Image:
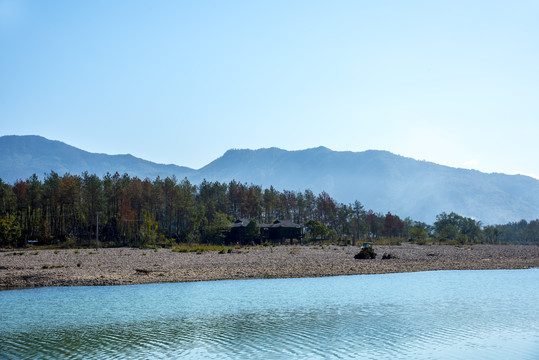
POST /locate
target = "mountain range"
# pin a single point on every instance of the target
(380, 180)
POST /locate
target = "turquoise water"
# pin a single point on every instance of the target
(428, 315)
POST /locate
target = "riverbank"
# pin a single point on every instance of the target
(121, 266)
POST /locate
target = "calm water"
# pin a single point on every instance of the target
(429, 315)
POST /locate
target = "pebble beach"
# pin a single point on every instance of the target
(122, 266)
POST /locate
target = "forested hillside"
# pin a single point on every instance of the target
(382, 181)
(67, 209)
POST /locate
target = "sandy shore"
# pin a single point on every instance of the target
(119, 266)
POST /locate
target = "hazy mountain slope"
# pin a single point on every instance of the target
(384, 182)
(380, 180)
(22, 156)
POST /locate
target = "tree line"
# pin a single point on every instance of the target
(127, 211)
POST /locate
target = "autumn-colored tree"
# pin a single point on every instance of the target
(64, 207)
(326, 208)
(253, 202)
(389, 223)
(375, 223)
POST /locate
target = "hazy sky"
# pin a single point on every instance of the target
(453, 82)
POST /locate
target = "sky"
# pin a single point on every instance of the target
(452, 82)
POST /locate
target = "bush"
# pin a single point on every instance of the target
(365, 253)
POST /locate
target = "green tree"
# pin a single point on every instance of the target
(455, 227)
(316, 229)
(70, 195)
(7, 198)
(22, 205)
(148, 233)
(93, 199)
(169, 197)
(34, 191)
(418, 233)
(470, 229)
(252, 232)
(310, 204)
(217, 230)
(491, 233)
(269, 201)
(446, 226)
(359, 224)
(10, 231)
(529, 234)
(343, 219)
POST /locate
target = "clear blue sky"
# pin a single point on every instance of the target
(453, 82)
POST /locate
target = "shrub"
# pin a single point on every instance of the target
(365, 253)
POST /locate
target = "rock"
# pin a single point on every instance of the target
(143, 271)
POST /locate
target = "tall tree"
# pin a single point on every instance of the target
(270, 202)
(344, 216)
(359, 224)
(93, 197)
(327, 209)
(389, 224)
(70, 196)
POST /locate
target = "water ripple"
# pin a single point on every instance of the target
(421, 316)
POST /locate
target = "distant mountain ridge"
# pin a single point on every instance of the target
(380, 180)
(22, 156)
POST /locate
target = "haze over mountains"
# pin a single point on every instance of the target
(380, 180)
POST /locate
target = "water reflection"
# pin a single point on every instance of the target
(423, 315)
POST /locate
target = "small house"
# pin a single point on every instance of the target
(280, 230)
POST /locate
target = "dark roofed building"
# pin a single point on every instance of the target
(279, 230)
(240, 232)
(241, 223)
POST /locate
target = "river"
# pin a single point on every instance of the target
(491, 314)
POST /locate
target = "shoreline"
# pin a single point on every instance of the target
(31, 268)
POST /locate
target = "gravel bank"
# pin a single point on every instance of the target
(120, 266)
